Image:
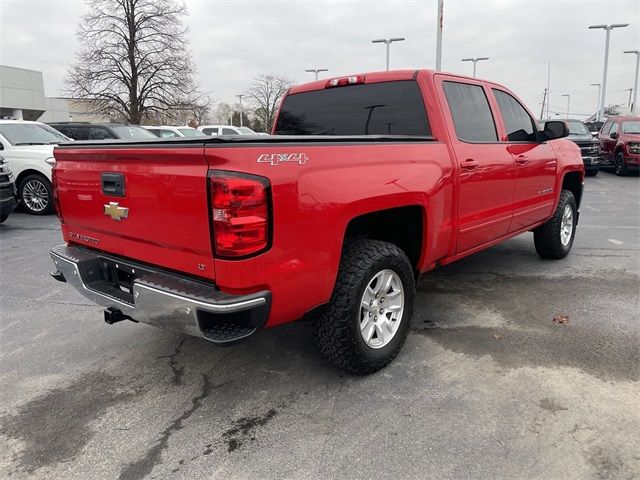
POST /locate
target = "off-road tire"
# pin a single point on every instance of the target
(618, 165)
(337, 331)
(547, 236)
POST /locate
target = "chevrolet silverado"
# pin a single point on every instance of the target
(367, 182)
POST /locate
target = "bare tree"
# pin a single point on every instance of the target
(222, 113)
(265, 94)
(134, 60)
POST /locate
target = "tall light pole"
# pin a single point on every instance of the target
(439, 35)
(634, 108)
(568, 101)
(475, 60)
(597, 101)
(630, 90)
(240, 99)
(607, 29)
(317, 70)
(387, 42)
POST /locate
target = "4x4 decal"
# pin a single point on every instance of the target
(276, 158)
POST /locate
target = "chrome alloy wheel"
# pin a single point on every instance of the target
(381, 309)
(566, 226)
(35, 195)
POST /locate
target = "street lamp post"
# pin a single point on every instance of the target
(607, 29)
(439, 35)
(635, 82)
(630, 90)
(240, 99)
(568, 102)
(597, 101)
(475, 60)
(387, 42)
(317, 70)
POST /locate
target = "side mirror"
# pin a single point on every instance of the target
(556, 129)
(614, 135)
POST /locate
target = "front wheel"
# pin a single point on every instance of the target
(619, 166)
(36, 195)
(555, 238)
(368, 317)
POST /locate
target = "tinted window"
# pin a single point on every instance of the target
(210, 131)
(389, 108)
(77, 133)
(229, 131)
(519, 125)
(470, 111)
(614, 128)
(99, 133)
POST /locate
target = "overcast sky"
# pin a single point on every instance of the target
(234, 40)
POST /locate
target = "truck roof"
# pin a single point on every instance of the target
(383, 76)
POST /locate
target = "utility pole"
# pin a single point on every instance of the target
(544, 98)
(475, 60)
(316, 71)
(568, 102)
(240, 99)
(630, 90)
(597, 101)
(439, 35)
(634, 107)
(548, 88)
(388, 42)
(607, 29)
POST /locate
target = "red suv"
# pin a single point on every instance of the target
(620, 144)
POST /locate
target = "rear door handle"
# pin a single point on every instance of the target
(470, 164)
(522, 159)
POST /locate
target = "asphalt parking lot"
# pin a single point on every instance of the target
(487, 386)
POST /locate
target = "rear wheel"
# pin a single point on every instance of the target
(368, 317)
(4, 217)
(619, 166)
(36, 194)
(555, 238)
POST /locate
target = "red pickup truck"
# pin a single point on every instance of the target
(367, 182)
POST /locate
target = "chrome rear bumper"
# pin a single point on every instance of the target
(160, 298)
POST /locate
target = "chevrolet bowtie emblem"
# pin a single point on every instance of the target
(116, 212)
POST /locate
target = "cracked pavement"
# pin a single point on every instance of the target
(487, 386)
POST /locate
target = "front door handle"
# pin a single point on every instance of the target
(522, 159)
(470, 164)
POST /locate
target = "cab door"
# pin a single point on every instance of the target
(535, 163)
(485, 166)
(607, 143)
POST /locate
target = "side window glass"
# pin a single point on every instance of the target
(520, 126)
(229, 131)
(210, 131)
(614, 128)
(98, 133)
(79, 133)
(471, 112)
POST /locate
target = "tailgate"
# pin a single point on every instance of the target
(145, 203)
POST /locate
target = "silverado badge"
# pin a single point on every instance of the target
(115, 211)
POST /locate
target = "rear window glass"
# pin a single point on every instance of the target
(389, 108)
(131, 132)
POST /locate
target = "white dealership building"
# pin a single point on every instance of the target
(22, 97)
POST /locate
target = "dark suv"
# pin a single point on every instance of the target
(589, 146)
(101, 131)
(620, 143)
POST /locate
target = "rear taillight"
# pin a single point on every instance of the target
(240, 213)
(54, 187)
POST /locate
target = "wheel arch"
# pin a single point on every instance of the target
(29, 171)
(404, 226)
(572, 181)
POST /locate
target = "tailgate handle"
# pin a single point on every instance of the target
(113, 184)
